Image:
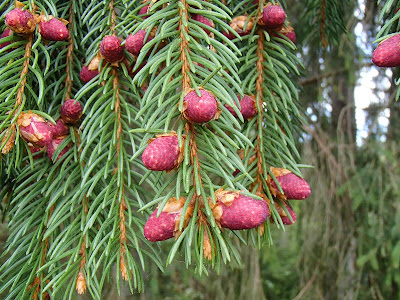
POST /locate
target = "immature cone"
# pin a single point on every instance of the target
(163, 153)
(134, 43)
(388, 52)
(53, 29)
(34, 151)
(284, 217)
(59, 129)
(236, 211)
(293, 186)
(86, 75)
(144, 10)
(6, 33)
(52, 147)
(34, 129)
(166, 225)
(287, 31)
(71, 111)
(20, 21)
(111, 49)
(200, 109)
(203, 20)
(238, 24)
(248, 107)
(273, 16)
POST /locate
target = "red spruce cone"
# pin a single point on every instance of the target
(86, 75)
(20, 21)
(34, 129)
(273, 16)
(34, 151)
(134, 43)
(293, 186)
(53, 29)
(200, 109)
(71, 111)
(6, 33)
(163, 153)
(287, 31)
(111, 49)
(284, 217)
(388, 52)
(248, 107)
(166, 225)
(236, 211)
(52, 147)
(144, 11)
(59, 129)
(238, 25)
(203, 20)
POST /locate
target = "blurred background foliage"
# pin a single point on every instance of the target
(346, 241)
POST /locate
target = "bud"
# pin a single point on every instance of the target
(20, 21)
(71, 111)
(34, 129)
(53, 29)
(200, 109)
(236, 211)
(86, 75)
(166, 225)
(292, 185)
(59, 129)
(248, 107)
(273, 16)
(111, 49)
(52, 147)
(134, 43)
(163, 153)
(387, 54)
(81, 283)
(6, 33)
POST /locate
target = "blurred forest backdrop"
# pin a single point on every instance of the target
(346, 241)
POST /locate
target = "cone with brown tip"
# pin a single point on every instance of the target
(34, 129)
(236, 211)
(20, 21)
(166, 226)
(293, 186)
(163, 153)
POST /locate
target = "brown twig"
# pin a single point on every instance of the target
(259, 99)
(70, 58)
(81, 281)
(27, 56)
(122, 205)
(184, 46)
